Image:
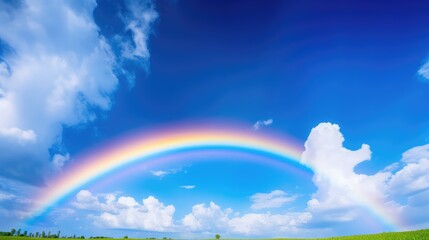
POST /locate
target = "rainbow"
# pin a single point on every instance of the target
(145, 148)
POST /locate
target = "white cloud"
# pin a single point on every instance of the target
(18, 134)
(127, 213)
(59, 160)
(139, 22)
(424, 71)
(109, 211)
(6, 196)
(188, 186)
(159, 173)
(163, 173)
(262, 123)
(415, 154)
(207, 219)
(274, 199)
(213, 219)
(56, 75)
(343, 195)
(254, 224)
(412, 178)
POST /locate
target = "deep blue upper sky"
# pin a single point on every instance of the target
(353, 63)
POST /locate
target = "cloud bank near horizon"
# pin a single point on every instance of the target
(342, 197)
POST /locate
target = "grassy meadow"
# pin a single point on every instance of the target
(413, 235)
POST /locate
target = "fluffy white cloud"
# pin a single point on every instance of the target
(255, 224)
(343, 195)
(212, 219)
(274, 199)
(127, 213)
(207, 219)
(339, 187)
(412, 178)
(261, 123)
(57, 70)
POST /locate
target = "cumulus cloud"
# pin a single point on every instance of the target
(255, 224)
(124, 212)
(127, 213)
(212, 219)
(56, 75)
(274, 199)
(188, 186)
(207, 219)
(262, 123)
(343, 195)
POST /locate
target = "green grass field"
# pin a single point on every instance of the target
(414, 235)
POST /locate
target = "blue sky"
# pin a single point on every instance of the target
(77, 74)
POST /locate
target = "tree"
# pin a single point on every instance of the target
(217, 236)
(25, 233)
(43, 234)
(12, 231)
(125, 236)
(18, 232)
(37, 234)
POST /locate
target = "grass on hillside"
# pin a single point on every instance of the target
(411, 235)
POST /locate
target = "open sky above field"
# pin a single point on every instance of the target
(185, 118)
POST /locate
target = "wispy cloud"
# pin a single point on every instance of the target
(262, 123)
(424, 71)
(188, 186)
(163, 173)
(274, 199)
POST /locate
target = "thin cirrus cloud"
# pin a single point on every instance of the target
(262, 123)
(188, 187)
(56, 75)
(274, 199)
(424, 71)
(163, 173)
